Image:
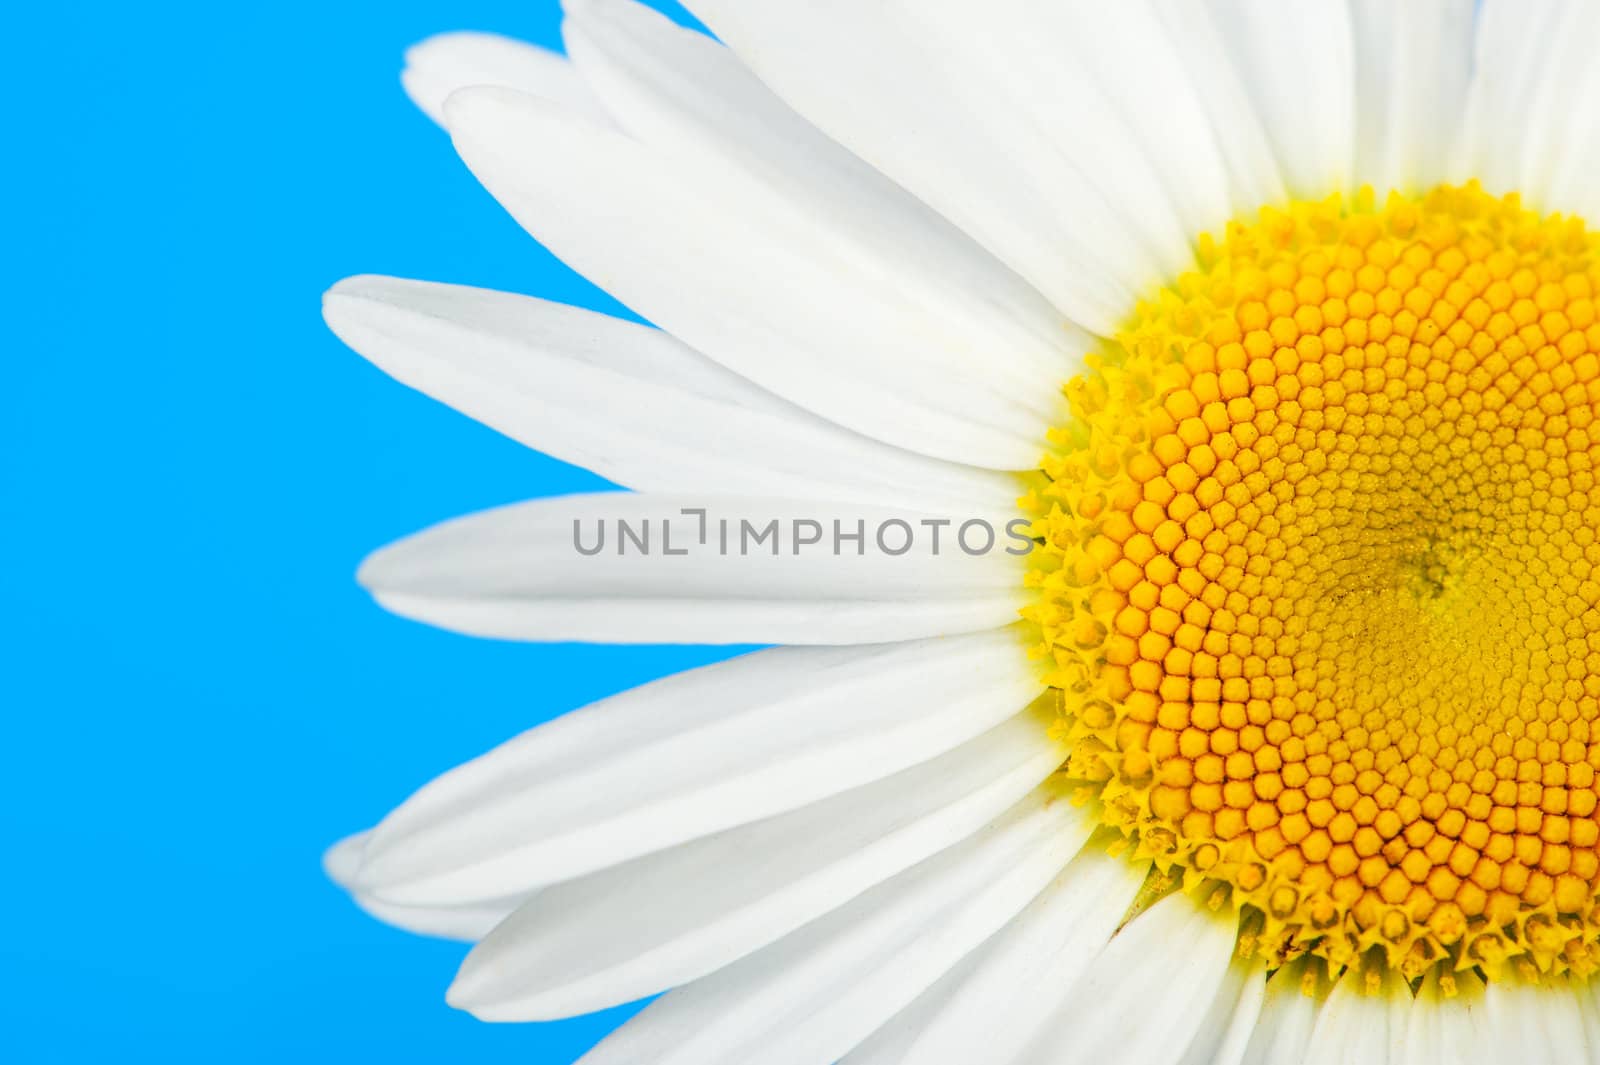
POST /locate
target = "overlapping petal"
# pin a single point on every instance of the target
(689, 756)
(468, 922)
(1412, 63)
(994, 1005)
(1171, 962)
(646, 926)
(440, 65)
(802, 309)
(1361, 1022)
(1529, 125)
(922, 106)
(629, 402)
(812, 996)
(1287, 1017)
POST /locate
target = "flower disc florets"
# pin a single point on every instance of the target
(1321, 580)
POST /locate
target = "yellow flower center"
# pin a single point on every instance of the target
(1320, 585)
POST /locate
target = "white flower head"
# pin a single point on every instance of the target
(1164, 435)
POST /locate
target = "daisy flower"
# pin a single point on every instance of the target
(1262, 724)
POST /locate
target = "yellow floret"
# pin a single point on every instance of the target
(1321, 580)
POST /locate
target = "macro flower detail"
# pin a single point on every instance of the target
(1162, 437)
(1322, 601)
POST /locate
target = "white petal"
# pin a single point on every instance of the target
(688, 756)
(652, 924)
(995, 1004)
(468, 923)
(1357, 1025)
(628, 402)
(920, 105)
(1572, 142)
(710, 574)
(812, 996)
(1589, 1004)
(1170, 962)
(1535, 1022)
(1532, 119)
(757, 281)
(1413, 60)
(1153, 154)
(440, 65)
(1297, 62)
(1287, 1019)
(1224, 1035)
(892, 1043)
(1229, 112)
(685, 94)
(1164, 108)
(1447, 1030)
(1512, 65)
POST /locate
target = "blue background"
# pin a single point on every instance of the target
(196, 697)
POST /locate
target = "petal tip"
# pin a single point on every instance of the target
(467, 990)
(357, 286)
(434, 65)
(342, 861)
(472, 108)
